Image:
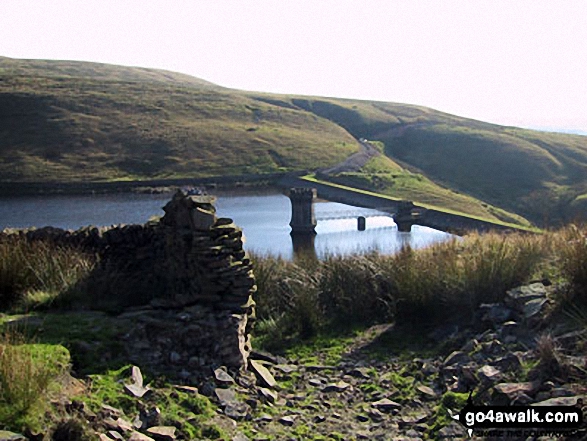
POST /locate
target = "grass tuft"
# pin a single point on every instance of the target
(574, 261)
(34, 273)
(26, 373)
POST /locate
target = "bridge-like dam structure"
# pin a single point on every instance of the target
(405, 214)
(304, 220)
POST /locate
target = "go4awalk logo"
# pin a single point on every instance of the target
(548, 419)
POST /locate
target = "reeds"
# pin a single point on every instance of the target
(573, 256)
(445, 281)
(38, 271)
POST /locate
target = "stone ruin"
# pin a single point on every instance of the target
(183, 283)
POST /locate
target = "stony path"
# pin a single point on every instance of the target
(356, 161)
(365, 396)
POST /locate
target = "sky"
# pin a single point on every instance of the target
(511, 62)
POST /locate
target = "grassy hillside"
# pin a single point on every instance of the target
(97, 71)
(87, 123)
(540, 175)
(75, 121)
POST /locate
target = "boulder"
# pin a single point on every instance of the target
(505, 393)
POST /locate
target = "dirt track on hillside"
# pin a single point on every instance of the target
(356, 161)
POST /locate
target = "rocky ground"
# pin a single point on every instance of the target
(382, 383)
(366, 396)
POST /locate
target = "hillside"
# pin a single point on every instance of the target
(87, 122)
(78, 121)
(539, 175)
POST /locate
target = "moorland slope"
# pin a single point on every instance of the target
(65, 121)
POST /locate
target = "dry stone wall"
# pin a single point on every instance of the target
(185, 281)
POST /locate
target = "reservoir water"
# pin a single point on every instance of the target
(264, 218)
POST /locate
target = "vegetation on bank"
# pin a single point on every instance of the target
(306, 300)
(444, 282)
(384, 176)
(85, 122)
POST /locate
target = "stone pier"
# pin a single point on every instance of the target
(303, 220)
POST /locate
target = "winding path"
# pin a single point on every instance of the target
(356, 161)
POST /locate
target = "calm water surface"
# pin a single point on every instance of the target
(264, 218)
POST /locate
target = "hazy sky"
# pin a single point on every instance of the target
(515, 62)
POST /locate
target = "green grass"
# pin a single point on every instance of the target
(450, 400)
(30, 377)
(514, 169)
(422, 191)
(29, 374)
(190, 411)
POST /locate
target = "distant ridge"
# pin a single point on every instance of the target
(71, 121)
(97, 71)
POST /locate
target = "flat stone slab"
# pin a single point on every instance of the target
(222, 376)
(512, 389)
(187, 389)
(287, 420)
(265, 418)
(137, 436)
(560, 401)
(386, 404)
(360, 372)
(489, 374)
(518, 297)
(427, 391)
(225, 396)
(336, 387)
(165, 433)
(113, 434)
(456, 357)
(533, 307)
(136, 388)
(269, 394)
(263, 373)
(412, 419)
(236, 411)
(136, 391)
(286, 368)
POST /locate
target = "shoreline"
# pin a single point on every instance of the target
(154, 186)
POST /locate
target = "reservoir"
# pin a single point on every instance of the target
(263, 216)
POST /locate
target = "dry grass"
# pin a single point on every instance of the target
(573, 255)
(37, 272)
(446, 281)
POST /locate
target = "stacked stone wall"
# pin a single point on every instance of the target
(185, 281)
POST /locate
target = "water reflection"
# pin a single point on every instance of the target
(304, 246)
(264, 219)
